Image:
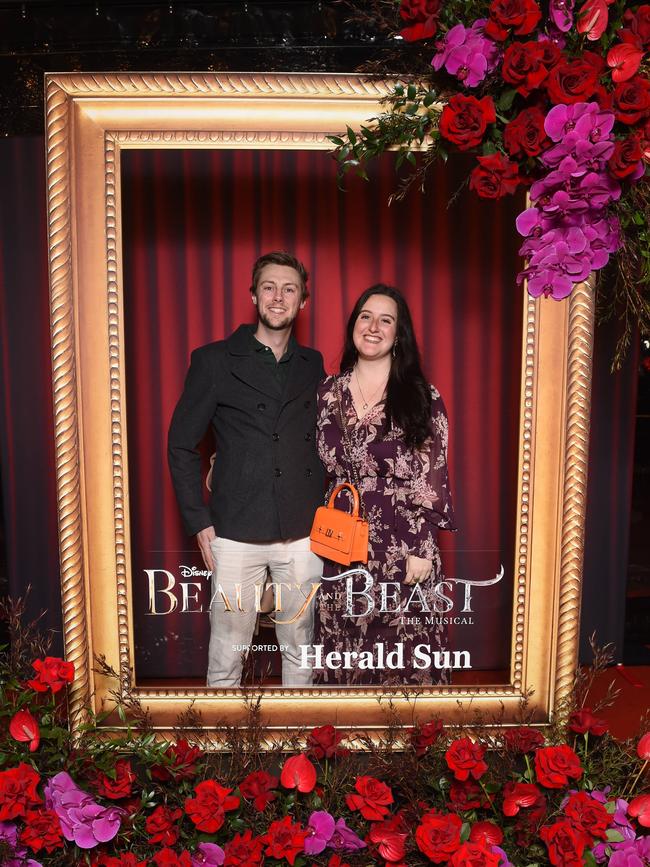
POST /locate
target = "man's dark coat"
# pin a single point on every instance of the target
(267, 480)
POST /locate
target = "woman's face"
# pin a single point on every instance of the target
(376, 327)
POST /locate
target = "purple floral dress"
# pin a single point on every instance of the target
(407, 500)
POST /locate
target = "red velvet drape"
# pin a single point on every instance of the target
(194, 222)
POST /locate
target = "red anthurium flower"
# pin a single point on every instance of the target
(465, 757)
(640, 809)
(371, 799)
(23, 727)
(592, 19)
(390, 838)
(517, 795)
(583, 721)
(624, 60)
(298, 773)
(486, 834)
(643, 747)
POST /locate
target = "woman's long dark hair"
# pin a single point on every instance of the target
(408, 397)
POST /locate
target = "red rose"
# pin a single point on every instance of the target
(486, 834)
(639, 809)
(18, 791)
(465, 757)
(207, 810)
(624, 162)
(638, 25)
(422, 18)
(551, 54)
(23, 727)
(631, 100)
(169, 858)
(337, 861)
(466, 795)
(583, 720)
(474, 855)
(126, 859)
(119, 786)
(422, 737)
(520, 16)
(522, 739)
(574, 79)
(371, 799)
(438, 836)
(52, 673)
(523, 66)
(42, 831)
(554, 766)
(390, 838)
(298, 773)
(244, 850)
(284, 839)
(588, 816)
(564, 844)
(525, 135)
(517, 795)
(258, 787)
(465, 118)
(494, 177)
(182, 762)
(160, 825)
(323, 743)
(643, 747)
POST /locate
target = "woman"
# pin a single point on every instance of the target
(396, 447)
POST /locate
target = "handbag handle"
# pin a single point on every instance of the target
(355, 497)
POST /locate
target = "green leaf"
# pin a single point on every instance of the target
(429, 98)
(610, 806)
(488, 148)
(464, 832)
(506, 99)
(614, 836)
(589, 860)
(410, 156)
(352, 136)
(411, 93)
(336, 140)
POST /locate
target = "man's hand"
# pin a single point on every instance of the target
(203, 538)
(417, 569)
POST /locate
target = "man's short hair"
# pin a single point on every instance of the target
(279, 257)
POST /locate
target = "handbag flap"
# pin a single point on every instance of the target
(333, 529)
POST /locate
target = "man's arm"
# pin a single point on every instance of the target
(189, 423)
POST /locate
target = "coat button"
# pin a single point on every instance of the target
(307, 404)
(277, 472)
(261, 407)
(307, 437)
(275, 437)
(308, 473)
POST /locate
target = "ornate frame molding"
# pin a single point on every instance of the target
(90, 119)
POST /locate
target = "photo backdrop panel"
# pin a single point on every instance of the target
(194, 221)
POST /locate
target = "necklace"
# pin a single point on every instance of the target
(366, 403)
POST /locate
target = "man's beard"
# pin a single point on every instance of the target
(278, 324)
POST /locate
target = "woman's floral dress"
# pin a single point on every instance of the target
(407, 500)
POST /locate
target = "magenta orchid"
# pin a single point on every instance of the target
(82, 819)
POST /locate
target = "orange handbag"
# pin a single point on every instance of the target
(338, 535)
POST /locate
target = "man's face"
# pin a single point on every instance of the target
(278, 296)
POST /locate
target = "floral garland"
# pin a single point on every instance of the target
(554, 99)
(574, 797)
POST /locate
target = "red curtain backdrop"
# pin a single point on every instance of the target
(194, 222)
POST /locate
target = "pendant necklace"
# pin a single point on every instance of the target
(364, 402)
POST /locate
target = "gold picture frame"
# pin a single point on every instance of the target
(90, 119)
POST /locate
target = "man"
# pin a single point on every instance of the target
(257, 391)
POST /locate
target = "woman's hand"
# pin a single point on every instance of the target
(417, 569)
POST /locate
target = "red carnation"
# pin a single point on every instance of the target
(389, 837)
(126, 859)
(465, 757)
(23, 727)
(18, 791)
(423, 737)
(118, 786)
(466, 795)
(639, 809)
(565, 845)
(465, 118)
(207, 810)
(169, 858)
(422, 18)
(517, 795)
(523, 66)
(588, 816)
(631, 100)
(438, 836)
(52, 673)
(525, 135)
(161, 827)
(42, 831)
(494, 177)
(522, 739)
(298, 773)
(182, 762)
(574, 79)
(582, 721)
(258, 787)
(244, 850)
(474, 855)
(486, 834)
(519, 16)
(284, 839)
(337, 861)
(371, 799)
(323, 743)
(554, 766)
